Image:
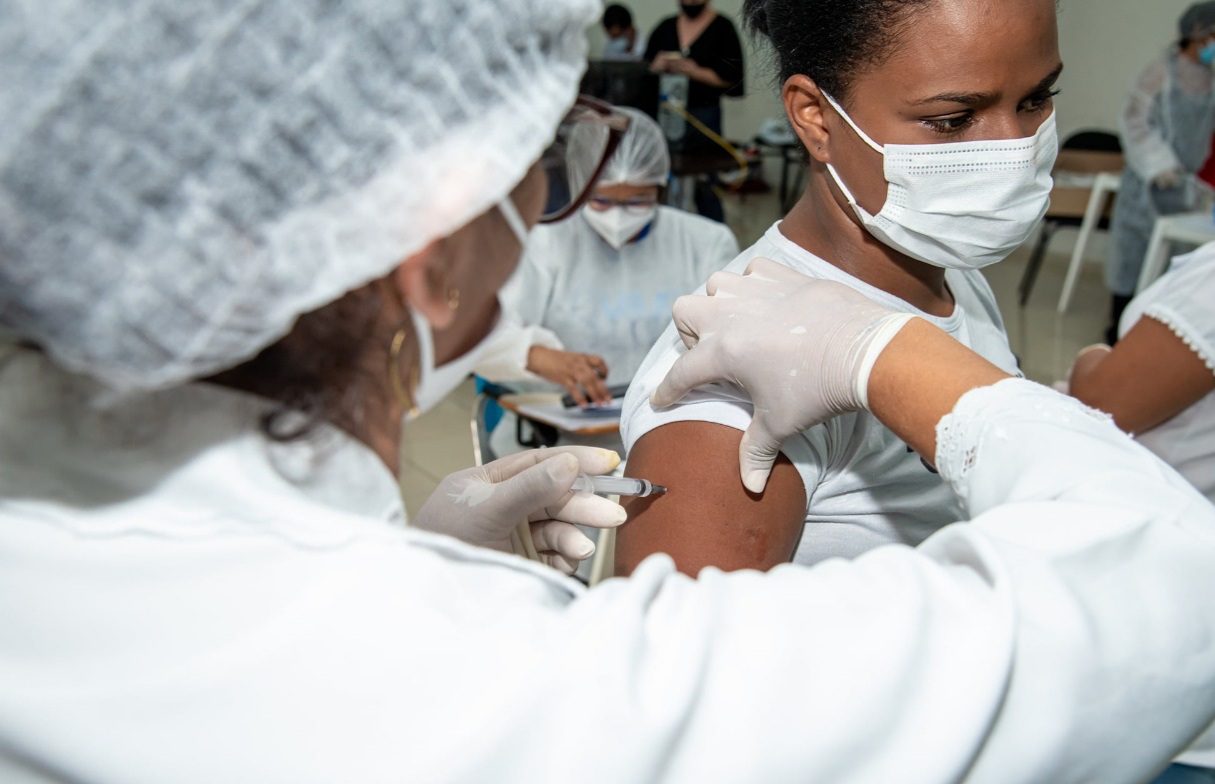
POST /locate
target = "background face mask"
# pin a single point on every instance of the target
(961, 205)
(618, 225)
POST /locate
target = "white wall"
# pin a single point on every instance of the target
(1105, 44)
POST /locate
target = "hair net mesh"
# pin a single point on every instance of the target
(641, 158)
(179, 181)
(1198, 19)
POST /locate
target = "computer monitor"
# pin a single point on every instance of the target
(623, 83)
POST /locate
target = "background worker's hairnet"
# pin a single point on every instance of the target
(180, 181)
(1198, 19)
(640, 159)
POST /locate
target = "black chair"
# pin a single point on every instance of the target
(1090, 141)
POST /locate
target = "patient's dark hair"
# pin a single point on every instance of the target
(831, 41)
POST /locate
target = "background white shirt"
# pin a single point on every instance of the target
(595, 299)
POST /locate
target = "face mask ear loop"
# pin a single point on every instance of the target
(840, 183)
(864, 136)
(514, 220)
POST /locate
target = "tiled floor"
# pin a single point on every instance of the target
(441, 441)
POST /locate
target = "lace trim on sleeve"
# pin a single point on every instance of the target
(1183, 330)
(984, 413)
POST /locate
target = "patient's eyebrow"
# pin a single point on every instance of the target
(983, 98)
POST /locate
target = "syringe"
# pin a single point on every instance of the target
(616, 485)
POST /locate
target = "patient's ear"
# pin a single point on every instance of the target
(805, 107)
(422, 281)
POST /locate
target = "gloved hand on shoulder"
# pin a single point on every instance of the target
(802, 349)
(483, 505)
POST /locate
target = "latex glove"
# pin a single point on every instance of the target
(1166, 180)
(576, 372)
(484, 505)
(801, 348)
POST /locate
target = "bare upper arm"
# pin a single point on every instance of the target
(707, 517)
(1150, 377)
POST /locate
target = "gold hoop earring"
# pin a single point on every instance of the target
(404, 396)
(453, 299)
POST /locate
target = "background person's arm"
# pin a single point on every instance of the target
(707, 517)
(1147, 379)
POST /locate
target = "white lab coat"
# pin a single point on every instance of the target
(183, 601)
(574, 291)
(1166, 124)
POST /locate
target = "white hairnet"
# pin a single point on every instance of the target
(180, 180)
(640, 159)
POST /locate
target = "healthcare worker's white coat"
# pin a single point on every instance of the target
(184, 602)
(1184, 301)
(595, 299)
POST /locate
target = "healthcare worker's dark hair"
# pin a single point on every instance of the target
(829, 40)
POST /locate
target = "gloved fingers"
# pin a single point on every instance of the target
(590, 461)
(586, 509)
(766, 269)
(562, 538)
(559, 562)
(687, 329)
(720, 283)
(696, 368)
(756, 453)
(696, 317)
(516, 497)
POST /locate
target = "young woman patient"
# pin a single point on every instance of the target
(929, 126)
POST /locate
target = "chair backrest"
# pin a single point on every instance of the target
(1097, 141)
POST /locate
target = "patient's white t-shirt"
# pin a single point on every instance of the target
(864, 486)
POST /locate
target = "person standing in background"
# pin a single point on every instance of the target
(702, 45)
(623, 40)
(1166, 130)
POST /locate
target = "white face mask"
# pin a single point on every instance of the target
(434, 383)
(960, 205)
(616, 47)
(618, 225)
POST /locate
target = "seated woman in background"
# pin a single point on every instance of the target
(964, 175)
(1158, 381)
(593, 293)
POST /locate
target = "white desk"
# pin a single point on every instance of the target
(1105, 185)
(1197, 228)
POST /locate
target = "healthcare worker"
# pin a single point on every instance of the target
(594, 292)
(1166, 136)
(1158, 381)
(909, 193)
(204, 583)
